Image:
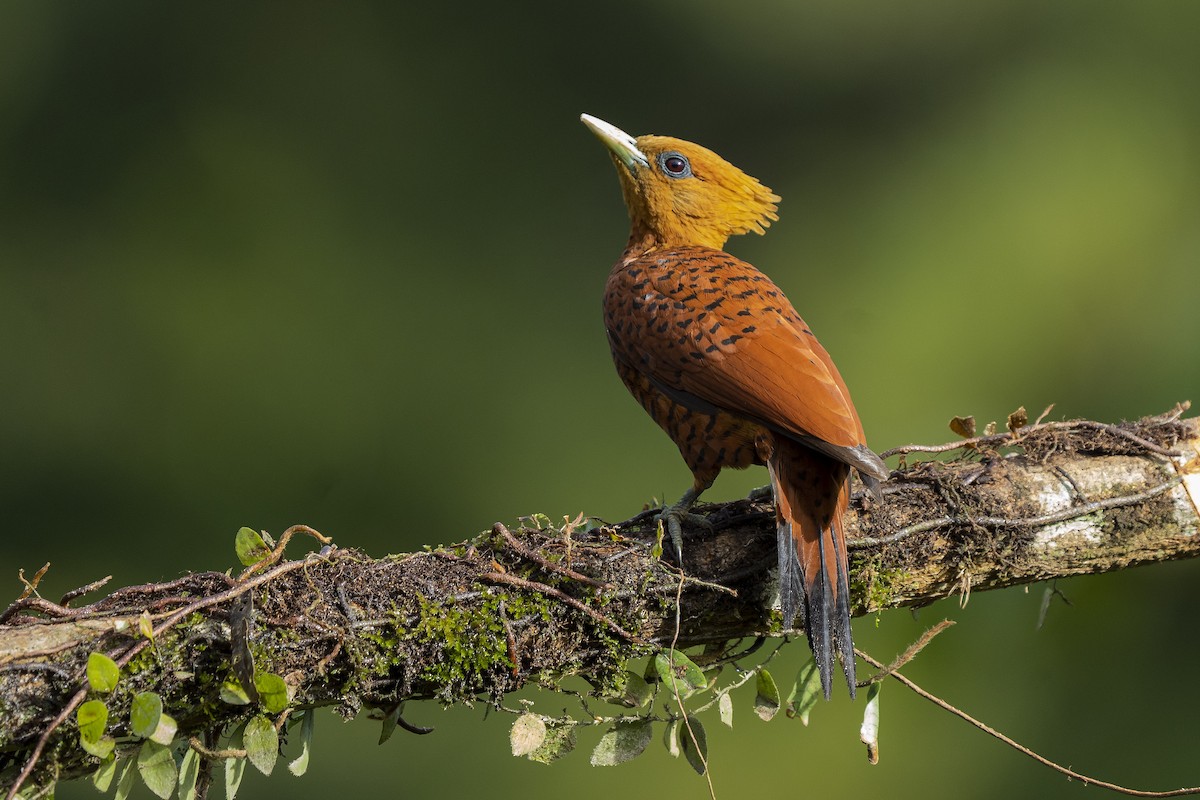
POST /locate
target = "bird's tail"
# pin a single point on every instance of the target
(812, 492)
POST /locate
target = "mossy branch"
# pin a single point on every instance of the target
(478, 620)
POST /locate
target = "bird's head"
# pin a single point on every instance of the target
(679, 193)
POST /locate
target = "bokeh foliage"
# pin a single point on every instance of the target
(341, 264)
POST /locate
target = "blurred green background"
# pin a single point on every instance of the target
(341, 264)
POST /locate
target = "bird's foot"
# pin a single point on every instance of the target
(761, 493)
(673, 519)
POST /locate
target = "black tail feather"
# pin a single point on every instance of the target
(820, 629)
(842, 637)
(791, 579)
(826, 622)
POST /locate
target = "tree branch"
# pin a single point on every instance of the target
(486, 617)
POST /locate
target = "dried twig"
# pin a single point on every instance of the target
(905, 657)
(545, 563)
(1070, 773)
(1014, 437)
(1024, 522)
(687, 723)
(32, 584)
(82, 590)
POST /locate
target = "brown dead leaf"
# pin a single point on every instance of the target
(963, 426)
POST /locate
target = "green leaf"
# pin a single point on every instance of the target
(233, 694)
(101, 748)
(250, 547)
(299, 765)
(660, 531)
(235, 768)
(527, 734)
(766, 701)
(540, 521)
(272, 692)
(806, 692)
(869, 732)
(144, 714)
(128, 778)
(694, 744)
(104, 774)
(671, 738)
(156, 765)
(623, 742)
(636, 692)
(102, 673)
(146, 626)
(92, 717)
(560, 740)
(679, 672)
(164, 734)
(189, 773)
(389, 723)
(725, 708)
(261, 741)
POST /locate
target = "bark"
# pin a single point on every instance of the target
(481, 619)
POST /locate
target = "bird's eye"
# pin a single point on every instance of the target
(675, 165)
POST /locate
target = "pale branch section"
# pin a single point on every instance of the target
(477, 620)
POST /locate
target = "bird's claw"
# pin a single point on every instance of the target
(673, 518)
(761, 493)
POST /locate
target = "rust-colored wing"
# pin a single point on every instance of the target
(712, 332)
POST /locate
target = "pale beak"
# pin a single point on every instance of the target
(622, 145)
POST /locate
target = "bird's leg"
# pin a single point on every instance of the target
(673, 516)
(764, 447)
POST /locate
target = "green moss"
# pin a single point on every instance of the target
(147, 659)
(873, 585)
(388, 652)
(473, 641)
(617, 654)
(775, 622)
